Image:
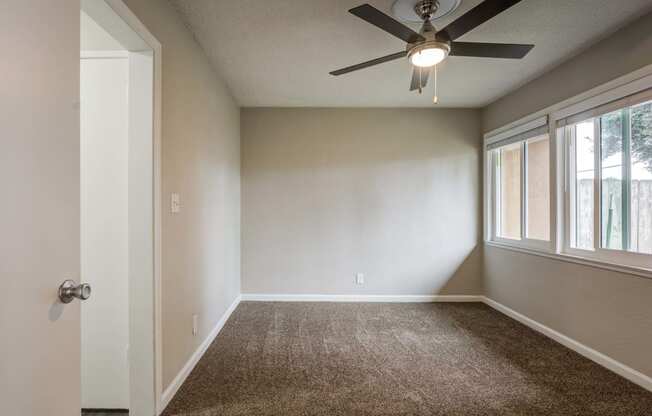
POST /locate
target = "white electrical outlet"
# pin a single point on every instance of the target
(195, 324)
(359, 279)
(175, 203)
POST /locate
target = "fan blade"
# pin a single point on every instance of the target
(490, 50)
(419, 81)
(379, 19)
(475, 17)
(367, 64)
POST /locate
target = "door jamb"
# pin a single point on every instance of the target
(121, 9)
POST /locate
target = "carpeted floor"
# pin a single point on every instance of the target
(395, 359)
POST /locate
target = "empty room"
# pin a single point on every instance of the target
(326, 207)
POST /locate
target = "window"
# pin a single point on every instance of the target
(538, 188)
(608, 187)
(508, 191)
(582, 144)
(640, 178)
(519, 164)
(613, 202)
(610, 178)
(600, 208)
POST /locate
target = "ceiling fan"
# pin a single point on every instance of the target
(429, 47)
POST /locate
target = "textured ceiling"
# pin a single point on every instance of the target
(278, 53)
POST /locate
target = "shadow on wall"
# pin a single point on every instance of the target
(468, 274)
(391, 193)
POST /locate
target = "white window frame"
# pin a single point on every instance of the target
(632, 263)
(615, 256)
(490, 185)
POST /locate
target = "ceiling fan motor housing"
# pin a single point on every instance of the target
(432, 41)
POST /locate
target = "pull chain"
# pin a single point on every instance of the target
(435, 99)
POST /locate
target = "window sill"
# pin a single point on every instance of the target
(631, 270)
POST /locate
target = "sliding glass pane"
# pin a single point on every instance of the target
(613, 139)
(538, 188)
(641, 178)
(583, 174)
(509, 192)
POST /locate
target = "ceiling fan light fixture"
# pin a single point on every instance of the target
(427, 58)
(429, 54)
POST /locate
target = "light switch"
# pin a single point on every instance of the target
(359, 279)
(175, 203)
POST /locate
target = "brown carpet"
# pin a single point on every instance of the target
(395, 359)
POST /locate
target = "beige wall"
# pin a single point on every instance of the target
(391, 193)
(94, 37)
(201, 161)
(607, 311)
(625, 51)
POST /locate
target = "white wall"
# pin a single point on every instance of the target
(104, 232)
(391, 193)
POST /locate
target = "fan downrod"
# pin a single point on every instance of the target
(426, 8)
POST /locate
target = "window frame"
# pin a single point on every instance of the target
(615, 256)
(568, 166)
(491, 150)
(632, 263)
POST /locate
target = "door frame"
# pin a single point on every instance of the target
(121, 9)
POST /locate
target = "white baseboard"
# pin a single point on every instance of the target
(259, 297)
(172, 389)
(588, 352)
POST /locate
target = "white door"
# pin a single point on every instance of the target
(39, 209)
(105, 230)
